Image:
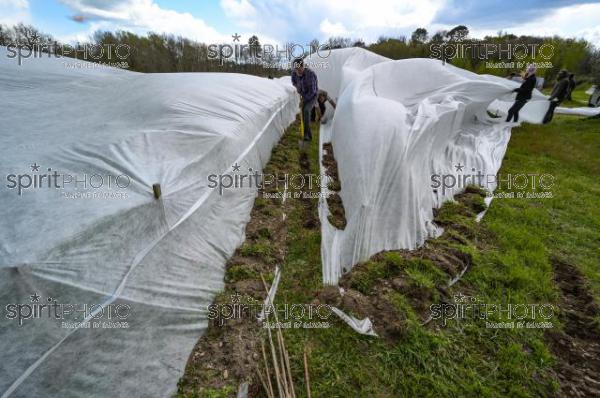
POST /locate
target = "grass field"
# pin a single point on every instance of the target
(513, 254)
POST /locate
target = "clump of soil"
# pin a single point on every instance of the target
(577, 348)
(337, 216)
(311, 217)
(329, 161)
(383, 286)
(388, 323)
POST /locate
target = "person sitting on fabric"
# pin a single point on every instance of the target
(305, 81)
(523, 94)
(559, 93)
(323, 98)
(572, 85)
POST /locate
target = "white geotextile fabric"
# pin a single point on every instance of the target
(578, 111)
(396, 124)
(163, 258)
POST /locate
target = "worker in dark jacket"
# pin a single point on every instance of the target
(572, 85)
(559, 93)
(523, 94)
(305, 81)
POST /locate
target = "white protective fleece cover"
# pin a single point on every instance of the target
(397, 123)
(578, 111)
(164, 259)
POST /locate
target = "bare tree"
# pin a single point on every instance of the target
(28, 35)
(5, 36)
(340, 42)
(314, 46)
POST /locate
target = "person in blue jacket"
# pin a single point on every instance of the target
(305, 81)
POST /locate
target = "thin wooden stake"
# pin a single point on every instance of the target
(270, 390)
(281, 364)
(262, 381)
(306, 376)
(273, 354)
(289, 371)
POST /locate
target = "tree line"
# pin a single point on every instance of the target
(576, 55)
(155, 53)
(152, 53)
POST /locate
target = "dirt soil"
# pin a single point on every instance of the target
(337, 218)
(229, 352)
(577, 348)
(388, 322)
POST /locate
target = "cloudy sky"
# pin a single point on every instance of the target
(279, 21)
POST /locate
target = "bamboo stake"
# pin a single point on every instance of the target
(262, 381)
(274, 357)
(289, 369)
(270, 390)
(281, 363)
(283, 369)
(273, 354)
(306, 376)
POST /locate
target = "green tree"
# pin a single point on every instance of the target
(458, 33)
(419, 36)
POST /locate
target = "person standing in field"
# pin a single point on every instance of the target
(523, 94)
(559, 93)
(305, 81)
(572, 85)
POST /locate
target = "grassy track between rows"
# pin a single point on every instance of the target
(513, 251)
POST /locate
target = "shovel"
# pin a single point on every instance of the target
(301, 142)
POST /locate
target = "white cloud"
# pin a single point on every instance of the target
(333, 29)
(580, 21)
(23, 4)
(242, 11)
(141, 16)
(86, 35)
(575, 21)
(369, 19)
(14, 11)
(361, 14)
(366, 19)
(278, 21)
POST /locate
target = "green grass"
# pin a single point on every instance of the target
(510, 250)
(239, 272)
(262, 249)
(567, 225)
(225, 392)
(364, 279)
(465, 358)
(424, 274)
